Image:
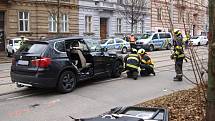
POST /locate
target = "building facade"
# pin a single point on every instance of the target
(189, 16)
(37, 18)
(102, 19)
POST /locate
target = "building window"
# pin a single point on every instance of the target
(119, 1)
(119, 25)
(159, 13)
(142, 26)
(88, 24)
(23, 21)
(65, 23)
(52, 23)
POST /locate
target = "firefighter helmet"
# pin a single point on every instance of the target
(141, 51)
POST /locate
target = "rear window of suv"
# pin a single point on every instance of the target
(35, 48)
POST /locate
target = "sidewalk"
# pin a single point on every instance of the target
(4, 58)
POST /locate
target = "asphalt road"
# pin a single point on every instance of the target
(91, 98)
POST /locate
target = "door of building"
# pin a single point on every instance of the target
(103, 28)
(2, 38)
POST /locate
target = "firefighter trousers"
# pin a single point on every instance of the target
(146, 70)
(178, 68)
(132, 73)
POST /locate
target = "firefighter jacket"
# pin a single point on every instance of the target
(145, 59)
(178, 49)
(132, 61)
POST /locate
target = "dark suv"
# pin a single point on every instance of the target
(62, 62)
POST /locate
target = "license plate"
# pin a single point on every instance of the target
(138, 46)
(22, 62)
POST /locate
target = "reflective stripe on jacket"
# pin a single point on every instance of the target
(133, 61)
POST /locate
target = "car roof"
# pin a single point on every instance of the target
(162, 32)
(54, 39)
(18, 38)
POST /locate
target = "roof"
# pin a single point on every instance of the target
(52, 39)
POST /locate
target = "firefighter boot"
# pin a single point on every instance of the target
(153, 72)
(178, 78)
(135, 75)
(129, 74)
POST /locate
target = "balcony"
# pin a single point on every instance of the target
(52, 1)
(103, 5)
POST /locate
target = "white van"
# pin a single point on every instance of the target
(13, 45)
(157, 40)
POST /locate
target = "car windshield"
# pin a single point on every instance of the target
(145, 36)
(103, 41)
(93, 44)
(195, 37)
(16, 42)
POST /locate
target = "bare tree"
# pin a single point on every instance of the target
(133, 11)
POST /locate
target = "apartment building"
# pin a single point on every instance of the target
(187, 15)
(36, 18)
(102, 19)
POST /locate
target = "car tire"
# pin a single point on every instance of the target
(199, 43)
(168, 47)
(117, 69)
(151, 48)
(124, 50)
(67, 82)
(206, 43)
(8, 53)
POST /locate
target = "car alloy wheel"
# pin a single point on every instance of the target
(8, 53)
(168, 47)
(124, 50)
(67, 82)
(151, 48)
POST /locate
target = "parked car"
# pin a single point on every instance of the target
(13, 45)
(116, 44)
(132, 113)
(157, 40)
(199, 40)
(61, 63)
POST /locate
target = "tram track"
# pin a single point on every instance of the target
(24, 93)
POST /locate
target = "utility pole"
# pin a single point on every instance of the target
(58, 17)
(211, 64)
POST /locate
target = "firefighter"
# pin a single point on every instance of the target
(178, 55)
(146, 65)
(132, 63)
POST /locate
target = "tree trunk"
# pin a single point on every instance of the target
(132, 27)
(211, 64)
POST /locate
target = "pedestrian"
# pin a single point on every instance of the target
(132, 64)
(132, 39)
(146, 64)
(178, 55)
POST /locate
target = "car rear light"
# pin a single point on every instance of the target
(42, 62)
